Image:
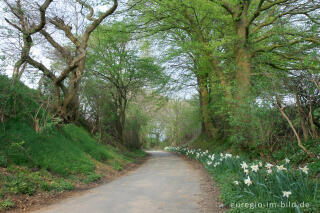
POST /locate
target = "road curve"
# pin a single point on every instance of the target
(166, 183)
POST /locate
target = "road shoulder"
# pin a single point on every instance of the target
(210, 192)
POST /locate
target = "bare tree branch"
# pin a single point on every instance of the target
(59, 24)
(95, 24)
(91, 11)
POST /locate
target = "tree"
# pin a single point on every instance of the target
(66, 82)
(252, 22)
(113, 59)
(234, 45)
(187, 27)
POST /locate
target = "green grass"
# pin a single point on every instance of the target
(6, 204)
(135, 154)
(266, 188)
(22, 180)
(231, 196)
(52, 150)
(91, 178)
(288, 150)
(66, 151)
(53, 160)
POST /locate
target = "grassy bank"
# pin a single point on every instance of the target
(260, 186)
(39, 156)
(289, 150)
(53, 160)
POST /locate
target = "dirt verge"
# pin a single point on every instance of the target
(210, 192)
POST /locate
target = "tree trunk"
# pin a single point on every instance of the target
(67, 110)
(242, 55)
(17, 73)
(242, 74)
(313, 126)
(204, 96)
(66, 107)
(303, 125)
(123, 122)
(292, 127)
(216, 70)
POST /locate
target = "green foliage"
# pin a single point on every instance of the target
(52, 151)
(92, 178)
(116, 166)
(267, 186)
(21, 180)
(202, 42)
(238, 55)
(17, 100)
(3, 161)
(67, 153)
(86, 143)
(176, 122)
(135, 154)
(287, 149)
(6, 204)
(136, 122)
(118, 74)
(63, 185)
(62, 151)
(203, 143)
(54, 159)
(46, 186)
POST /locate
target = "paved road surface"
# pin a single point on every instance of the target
(166, 183)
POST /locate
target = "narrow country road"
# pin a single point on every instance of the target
(166, 183)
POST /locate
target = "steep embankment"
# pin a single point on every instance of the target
(50, 160)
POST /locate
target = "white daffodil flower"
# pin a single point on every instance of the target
(281, 168)
(248, 181)
(286, 193)
(254, 168)
(236, 182)
(244, 165)
(228, 155)
(304, 169)
(216, 164)
(269, 166)
(287, 160)
(246, 171)
(269, 171)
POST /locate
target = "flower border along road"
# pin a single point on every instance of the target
(258, 186)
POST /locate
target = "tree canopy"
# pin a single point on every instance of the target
(250, 65)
